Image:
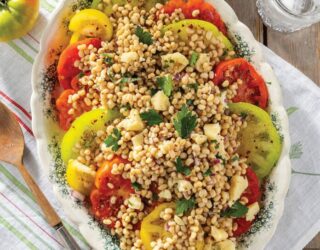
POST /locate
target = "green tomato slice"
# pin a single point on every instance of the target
(181, 28)
(259, 141)
(88, 122)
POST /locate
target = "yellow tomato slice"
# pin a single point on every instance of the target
(80, 177)
(83, 126)
(152, 226)
(182, 26)
(90, 23)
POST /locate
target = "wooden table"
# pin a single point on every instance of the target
(301, 49)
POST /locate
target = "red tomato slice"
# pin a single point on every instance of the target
(206, 11)
(66, 69)
(253, 89)
(101, 197)
(243, 226)
(75, 80)
(104, 176)
(101, 206)
(252, 193)
(63, 107)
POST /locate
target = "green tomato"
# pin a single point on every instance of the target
(84, 127)
(17, 17)
(181, 29)
(259, 141)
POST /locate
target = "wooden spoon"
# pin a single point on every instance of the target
(11, 151)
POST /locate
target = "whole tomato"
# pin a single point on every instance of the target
(17, 17)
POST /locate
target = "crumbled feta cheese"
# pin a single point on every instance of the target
(218, 234)
(238, 185)
(175, 62)
(160, 101)
(135, 202)
(165, 194)
(199, 139)
(253, 210)
(212, 130)
(133, 122)
(137, 140)
(129, 57)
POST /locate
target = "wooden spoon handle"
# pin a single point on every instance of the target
(51, 216)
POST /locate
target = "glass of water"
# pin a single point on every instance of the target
(289, 15)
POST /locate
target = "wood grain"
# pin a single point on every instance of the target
(249, 16)
(301, 49)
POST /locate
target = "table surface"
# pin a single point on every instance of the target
(301, 49)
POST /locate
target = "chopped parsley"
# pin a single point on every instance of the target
(243, 115)
(136, 186)
(190, 102)
(182, 169)
(154, 91)
(218, 156)
(183, 205)
(235, 158)
(152, 117)
(129, 79)
(166, 84)
(193, 59)
(236, 210)
(112, 140)
(144, 36)
(81, 74)
(207, 173)
(108, 59)
(185, 122)
(194, 86)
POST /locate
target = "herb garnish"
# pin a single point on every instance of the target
(185, 122)
(108, 59)
(129, 79)
(112, 140)
(236, 210)
(166, 84)
(194, 58)
(144, 36)
(180, 168)
(183, 205)
(207, 173)
(194, 86)
(152, 117)
(136, 186)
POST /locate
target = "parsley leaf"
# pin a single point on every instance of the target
(81, 74)
(144, 36)
(166, 84)
(183, 205)
(108, 59)
(153, 91)
(193, 59)
(235, 158)
(194, 86)
(236, 210)
(190, 102)
(207, 173)
(151, 117)
(182, 169)
(185, 122)
(129, 79)
(112, 140)
(136, 186)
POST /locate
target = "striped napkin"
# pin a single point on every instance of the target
(22, 225)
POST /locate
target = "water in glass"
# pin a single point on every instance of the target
(289, 15)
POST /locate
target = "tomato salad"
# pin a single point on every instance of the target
(167, 132)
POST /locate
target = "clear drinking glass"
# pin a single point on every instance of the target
(289, 15)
